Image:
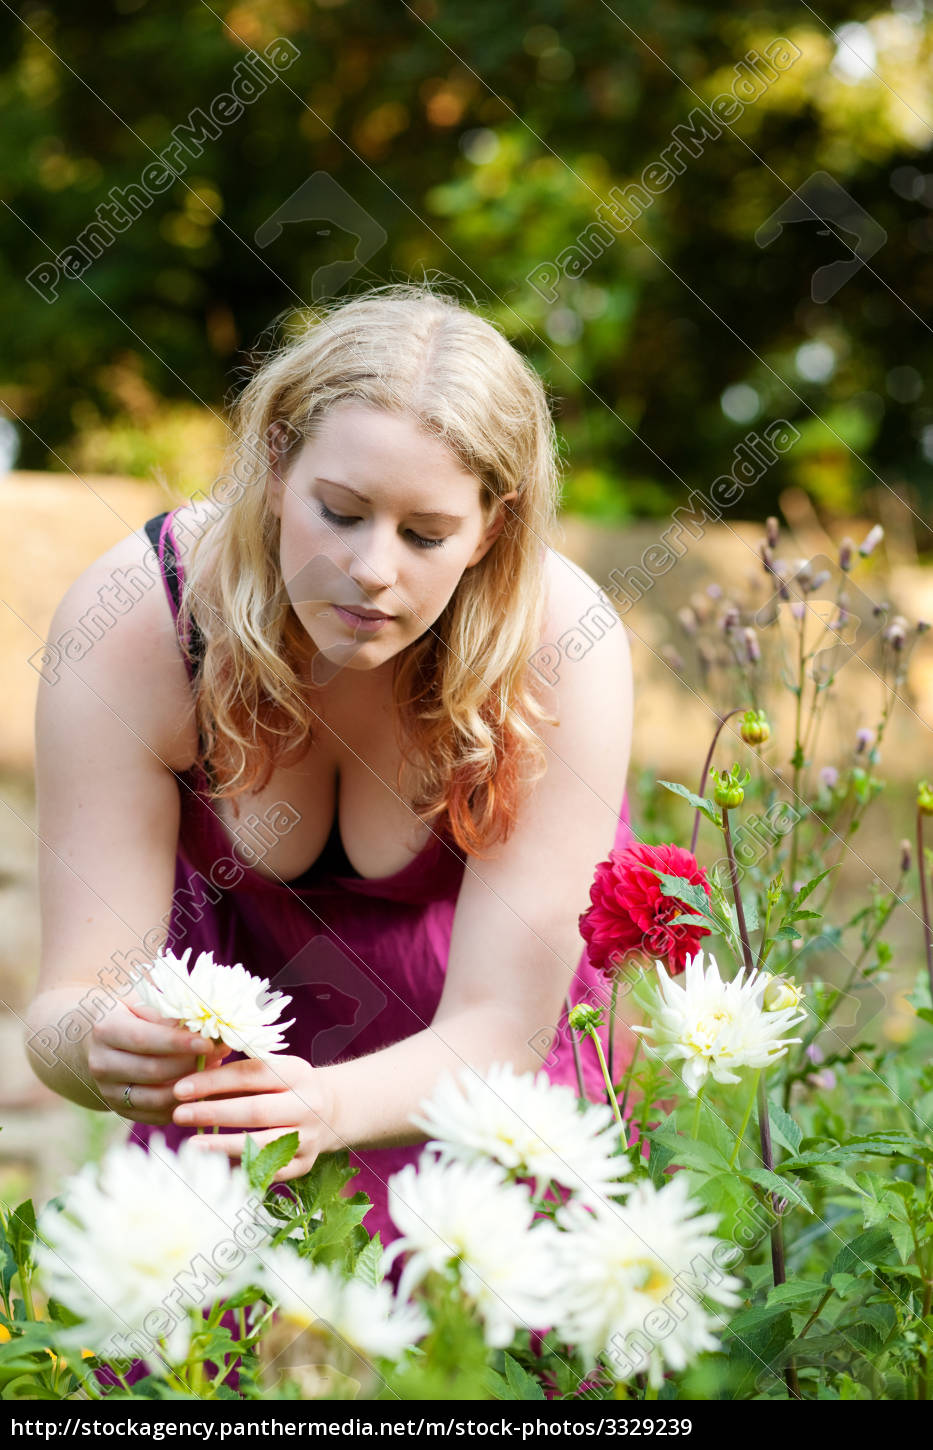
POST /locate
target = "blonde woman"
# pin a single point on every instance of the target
(353, 743)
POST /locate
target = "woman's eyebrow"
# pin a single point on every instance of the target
(418, 514)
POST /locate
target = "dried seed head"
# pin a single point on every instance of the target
(906, 856)
(772, 529)
(752, 647)
(863, 738)
(846, 553)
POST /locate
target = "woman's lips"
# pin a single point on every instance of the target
(360, 622)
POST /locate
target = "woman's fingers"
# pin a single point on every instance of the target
(110, 1065)
(266, 1111)
(233, 1144)
(249, 1074)
(128, 1032)
(146, 1105)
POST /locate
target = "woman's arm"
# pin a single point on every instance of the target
(108, 817)
(515, 943)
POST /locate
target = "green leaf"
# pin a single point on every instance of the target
(368, 1266)
(699, 803)
(783, 1127)
(871, 1247)
(781, 1186)
(796, 1293)
(683, 890)
(264, 1165)
(525, 1386)
(21, 1233)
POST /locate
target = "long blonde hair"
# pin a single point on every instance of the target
(463, 692)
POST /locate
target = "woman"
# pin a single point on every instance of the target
(395, 820)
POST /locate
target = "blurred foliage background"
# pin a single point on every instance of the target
(476, 141)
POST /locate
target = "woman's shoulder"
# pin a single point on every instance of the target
(114, 628)
(571, 597)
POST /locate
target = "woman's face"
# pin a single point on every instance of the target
(376, 515)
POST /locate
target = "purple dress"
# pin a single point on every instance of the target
(362, 958)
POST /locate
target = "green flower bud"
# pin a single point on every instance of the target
(925, 798)
(728, 790)
(582, 1017)
(754, 728)
(781, 993)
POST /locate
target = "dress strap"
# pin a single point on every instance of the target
(159, 533)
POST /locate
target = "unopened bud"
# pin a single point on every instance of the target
(922, 626)
(871, 541)
(584, 1017)
(780, 993)
(767, 557)
(925, 798)
(754, 728)
(863, 738)
(906, 856)
(752, 647)
(829, 776)
(772, 529)
(798, 609)
(729, 785)
(730, 618)
(846, 553)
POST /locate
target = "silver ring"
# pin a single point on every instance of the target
(126, 1094)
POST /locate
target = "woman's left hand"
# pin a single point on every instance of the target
(266, 1100)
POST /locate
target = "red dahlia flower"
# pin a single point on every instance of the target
(630, 916)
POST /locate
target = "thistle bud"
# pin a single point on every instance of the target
(754, 728)
(767, 557)
(871, 541)
(819, 581)
(880, 608)
(780, 993)
(925, 798)
(922, 626)
(771, 531)
(846, 553)
(863, 738)
(730, 618)
(896, 632)
(829, 776)
(584, 1017)
(798, 609)
(906, 856)
(752, 647)
(714, 591)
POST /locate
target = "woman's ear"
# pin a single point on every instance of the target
(280, 438)
(495, 526)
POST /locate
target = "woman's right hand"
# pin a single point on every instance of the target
(132, 1044)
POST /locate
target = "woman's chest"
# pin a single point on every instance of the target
(349, 776)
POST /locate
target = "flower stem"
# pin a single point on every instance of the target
(696, 1113)
(739, 908)
(578, 1065)
(612, 1029)
(778, 1269)
(924, 900)
(748, 1113)
(613, 1100)
(628, 1076)
(706, 765)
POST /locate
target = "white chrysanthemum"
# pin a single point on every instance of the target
(467, 1215)
(533, 1127)
(150, 1231)
(365, 1318)
(632, 1277)
(716, 1027)
(221, 1002)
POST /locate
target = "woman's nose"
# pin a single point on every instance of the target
(371, 563)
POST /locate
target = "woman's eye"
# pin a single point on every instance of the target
(344, 519)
